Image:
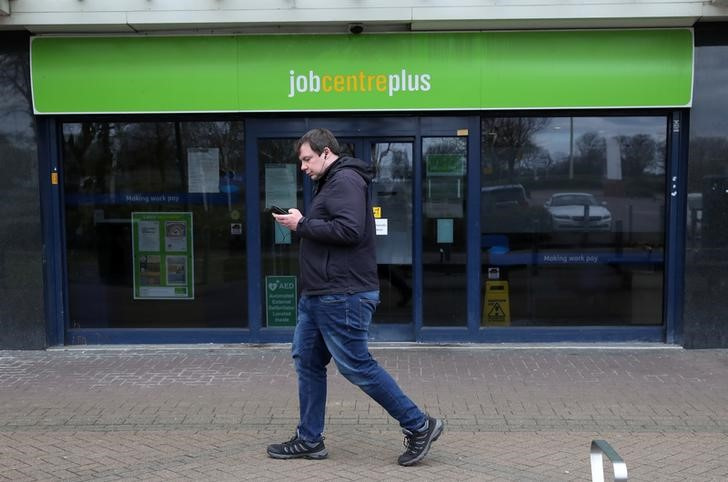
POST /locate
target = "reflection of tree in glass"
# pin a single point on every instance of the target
(445, 145)
(591, 157)
(144, 156)
(149, 153)
(84, 145)
(228, 137)
(508, 140)
(17, 126)
(638, 153)
(277, 151)
(15, 83)
(538, 159)
(392, 162)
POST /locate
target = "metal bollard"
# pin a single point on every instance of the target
(599, 447)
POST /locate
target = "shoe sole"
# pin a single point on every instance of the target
(321, 454)
(439, 427)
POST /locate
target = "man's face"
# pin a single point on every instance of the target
(311, 163)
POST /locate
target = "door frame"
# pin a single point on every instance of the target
(363, 130)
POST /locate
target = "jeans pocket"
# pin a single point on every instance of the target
(362, 317)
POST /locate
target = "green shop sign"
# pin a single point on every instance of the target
(413, 71)
(162, 255)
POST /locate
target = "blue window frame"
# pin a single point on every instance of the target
(361, 132)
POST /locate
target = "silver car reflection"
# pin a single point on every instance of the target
(578, 211)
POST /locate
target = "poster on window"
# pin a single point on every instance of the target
(162, 254)
(203, 170)
(175, 235)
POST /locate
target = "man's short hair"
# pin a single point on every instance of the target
(319, 138)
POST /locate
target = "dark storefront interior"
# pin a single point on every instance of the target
(571, 217)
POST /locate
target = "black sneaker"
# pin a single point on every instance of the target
(418, 443)
(298, 449)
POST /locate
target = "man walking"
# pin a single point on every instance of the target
(339, 293)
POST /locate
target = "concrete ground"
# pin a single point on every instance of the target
(512, 413)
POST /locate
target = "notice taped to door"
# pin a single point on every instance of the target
(496, 305)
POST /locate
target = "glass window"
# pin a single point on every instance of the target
(572, 220)
(443, 247)
(115, 169)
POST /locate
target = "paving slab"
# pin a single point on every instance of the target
(192, 413)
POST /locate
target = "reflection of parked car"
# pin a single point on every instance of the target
(506, 195)
(578, 211)
(505, 209)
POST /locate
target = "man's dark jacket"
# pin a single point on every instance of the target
(338, 251)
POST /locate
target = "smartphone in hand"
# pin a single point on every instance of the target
(276, 210)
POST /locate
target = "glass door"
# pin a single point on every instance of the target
(418, 195)
(392, 202)
(283, 185)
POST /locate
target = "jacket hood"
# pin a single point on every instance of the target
(363, 168)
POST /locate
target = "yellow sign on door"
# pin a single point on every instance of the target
(496, 307)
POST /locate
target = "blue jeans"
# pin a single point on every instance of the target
(336, 326)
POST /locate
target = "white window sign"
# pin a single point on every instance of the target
(203, 169)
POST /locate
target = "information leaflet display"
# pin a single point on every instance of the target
(163, 255)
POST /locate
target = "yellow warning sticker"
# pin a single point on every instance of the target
(496, 305)
(377, 210)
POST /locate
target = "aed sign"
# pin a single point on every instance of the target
(402, 71)
(280, 300)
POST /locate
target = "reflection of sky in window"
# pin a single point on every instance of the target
(555, 136)
(710, 93)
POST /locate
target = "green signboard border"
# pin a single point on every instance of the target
(377, 72)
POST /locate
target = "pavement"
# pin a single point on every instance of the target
(512, 412)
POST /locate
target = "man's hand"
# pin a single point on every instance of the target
(289, 220)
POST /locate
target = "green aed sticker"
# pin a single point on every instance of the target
(280, 300)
